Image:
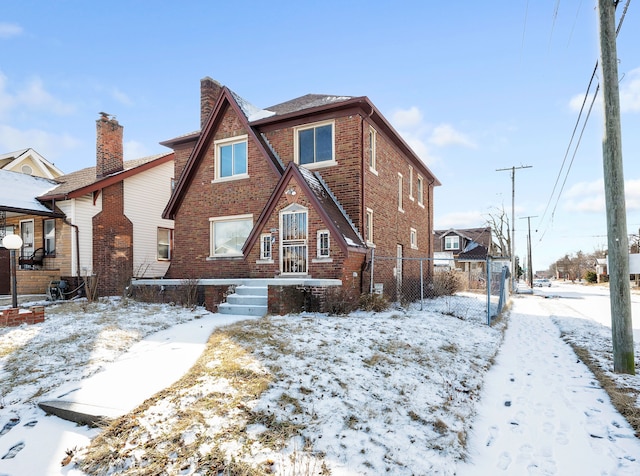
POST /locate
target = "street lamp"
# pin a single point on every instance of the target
(13, 243)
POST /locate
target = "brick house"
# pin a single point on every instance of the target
(301, 190)
(102, 221)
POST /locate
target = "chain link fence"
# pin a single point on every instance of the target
(472, 290)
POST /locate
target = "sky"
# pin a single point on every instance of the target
(374, 393)
(476, 88)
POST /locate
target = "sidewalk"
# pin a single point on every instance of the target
(542, 412)
(148, 367)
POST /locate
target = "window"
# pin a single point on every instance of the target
(413, 238)
(228, 234)
(49, 237)
(265, 247)
(410, 183)
(368, 227)
(420, 191)
(400, 208)
(452, 242)
(372, 149)
(231, 158)
(165, 242)
(315, 144)
(323, 243)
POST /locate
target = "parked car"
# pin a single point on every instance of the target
(539, 283)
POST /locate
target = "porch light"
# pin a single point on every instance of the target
(13, 243)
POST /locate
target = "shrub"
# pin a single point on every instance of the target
(340, 301)
(591, 277)
(445, 283)
(374, 302)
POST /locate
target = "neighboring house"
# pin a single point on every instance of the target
(19, 211)
(468, 249)
(304, 189)
(29, 162)
(105, 220)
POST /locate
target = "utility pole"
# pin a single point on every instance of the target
(514, 271)
(530, 267)
(617, 239)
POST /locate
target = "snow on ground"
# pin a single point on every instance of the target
(387, 393)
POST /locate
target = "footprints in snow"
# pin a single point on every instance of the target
(15, 449)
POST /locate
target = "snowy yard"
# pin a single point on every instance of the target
(371, 393)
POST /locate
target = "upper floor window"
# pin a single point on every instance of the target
(315, 144)
(372, 149)
(452, 242)
(400, 204)
(420, 191)
(231, 158)
(49, 237)
(165, 242)
(228, 234)
(410, 183)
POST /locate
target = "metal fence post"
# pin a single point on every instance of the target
(488, 290)
(421, 287)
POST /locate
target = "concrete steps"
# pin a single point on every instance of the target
(248, 300)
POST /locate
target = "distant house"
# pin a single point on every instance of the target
(467, 247)
(301, 190)
(104, 220)
(29, 162)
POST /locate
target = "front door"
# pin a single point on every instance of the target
(293, 240)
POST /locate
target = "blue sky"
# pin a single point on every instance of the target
(472, 86)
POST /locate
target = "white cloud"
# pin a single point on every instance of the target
(576, 102)
(8, 30)
(630, 91)
(51, 146)
(32, 95)
(134, 150)
(444, 135)
(589, 197)
(419, 134)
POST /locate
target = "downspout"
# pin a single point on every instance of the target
(363, 171)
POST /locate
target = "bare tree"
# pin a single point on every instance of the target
(498, 220)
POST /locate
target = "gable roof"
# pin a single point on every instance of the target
(18, 193)
(15, 160)
(84, 181)
(482, 236)
(324, 202)
(244, 110)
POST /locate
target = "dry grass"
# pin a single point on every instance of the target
(194, 438)
(624, 399)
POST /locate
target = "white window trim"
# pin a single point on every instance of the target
(212, 240)
(320, 258)
(411, 183)
(296, 150)
(446, 248)
(373, 150)
(263, 259)
(369, 232)
(400, 193)
(413, 238)
(421, 191)
(229, 141)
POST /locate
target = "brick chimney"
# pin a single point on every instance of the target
(109, 149)
(209, 93)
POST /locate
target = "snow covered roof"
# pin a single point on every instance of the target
(18, 193)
